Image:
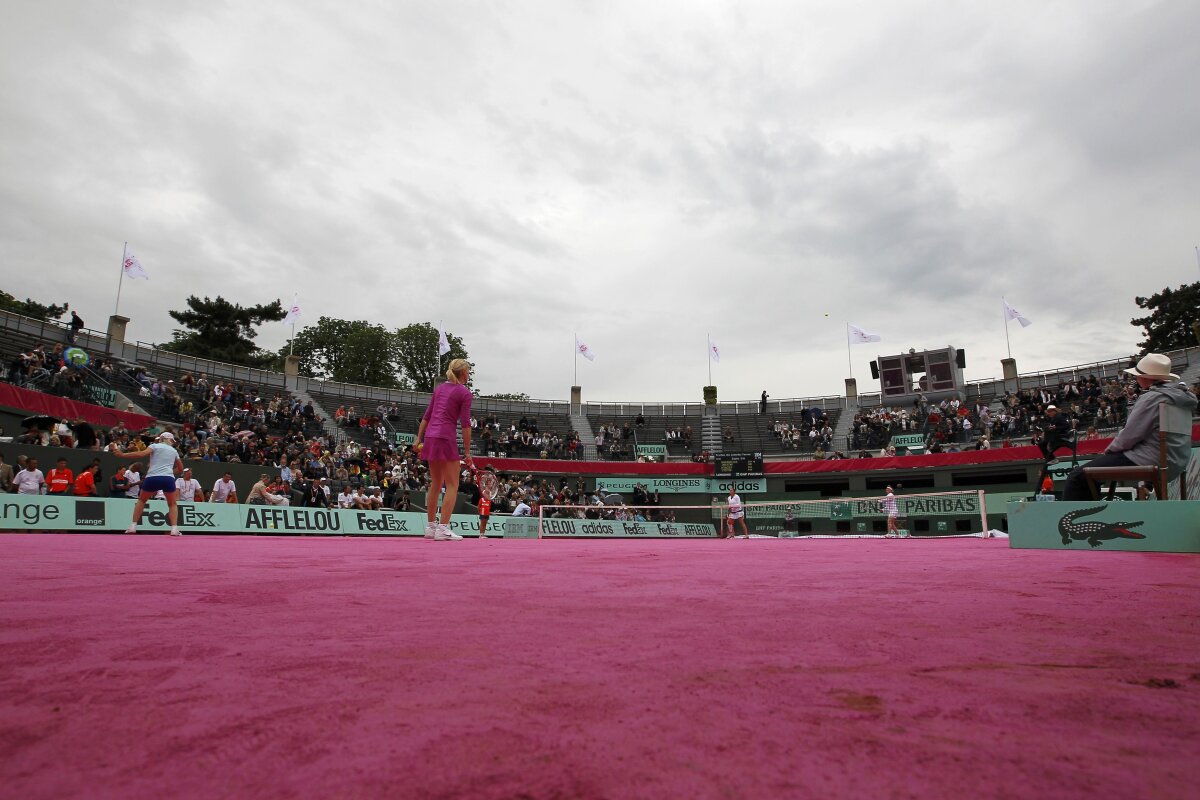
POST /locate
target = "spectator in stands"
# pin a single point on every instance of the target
(133, 475)
(6, 476)
(30, 479)
(762, 403)
(1138, 442)
(84, 435)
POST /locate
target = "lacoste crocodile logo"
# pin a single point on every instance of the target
(1094, 532)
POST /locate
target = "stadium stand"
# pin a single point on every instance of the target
(261, 418)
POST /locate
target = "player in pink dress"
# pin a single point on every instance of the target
(437, 444)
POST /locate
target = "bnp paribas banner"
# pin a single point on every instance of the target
(685, 484)
(961, 504)
(47, 513)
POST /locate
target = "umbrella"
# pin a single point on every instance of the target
(43, 421)
(76, 357)
(613, 500)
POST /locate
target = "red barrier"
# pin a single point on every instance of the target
(593, 467)
(968, 457)
(32, 402)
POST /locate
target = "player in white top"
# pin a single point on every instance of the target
(893, 515)
(736, 513)
(189, 488)
(160, 477)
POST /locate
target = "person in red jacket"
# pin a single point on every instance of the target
(61, 479)
(85, 484)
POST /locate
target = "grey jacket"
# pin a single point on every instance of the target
(1138, 440)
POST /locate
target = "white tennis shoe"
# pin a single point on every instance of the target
(444, 534)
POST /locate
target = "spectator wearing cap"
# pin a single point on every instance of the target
(1137, 444)
(189, 488)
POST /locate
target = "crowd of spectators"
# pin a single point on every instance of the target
(1090, 404)
(522, 439)
(813, 431)
(526, 497)
(230, 422)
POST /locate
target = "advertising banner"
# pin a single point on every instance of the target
(656, 450)
(683, 484)
(592, 528)
(853, 508)
(1160, 526)
(908, 440)
(47, 513)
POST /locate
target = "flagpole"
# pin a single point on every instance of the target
(849, 361)
(576, 348)
(708, 336)
(121, 279)
(1004, 313)
(292, 341)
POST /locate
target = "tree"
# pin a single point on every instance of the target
(31, 308)
(224, 331)
(347, 351)
(415, 354)
(1172, 315)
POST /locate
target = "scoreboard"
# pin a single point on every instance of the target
(738, 465)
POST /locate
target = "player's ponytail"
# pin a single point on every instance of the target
(456, 366)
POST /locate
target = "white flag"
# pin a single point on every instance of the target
(584, 350)
(856, 335)
(294, 312)
(714, 352)
(1012, 313)
(133, 267)
(443, 343)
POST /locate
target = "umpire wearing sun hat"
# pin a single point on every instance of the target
(1137, 443)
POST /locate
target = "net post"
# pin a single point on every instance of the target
(541, 513)
(983, 512)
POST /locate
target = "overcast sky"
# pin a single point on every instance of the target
(642, 173)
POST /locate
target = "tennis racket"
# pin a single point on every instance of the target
(489, 484)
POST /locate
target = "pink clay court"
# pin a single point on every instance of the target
(149, 667)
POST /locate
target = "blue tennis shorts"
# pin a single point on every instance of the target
(158, 483)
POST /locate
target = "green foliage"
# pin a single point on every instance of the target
(415, 354)
(349, 351)
(710, 395)
(1172, 314)
(355, 351)
(224, 331)
(31, 308)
